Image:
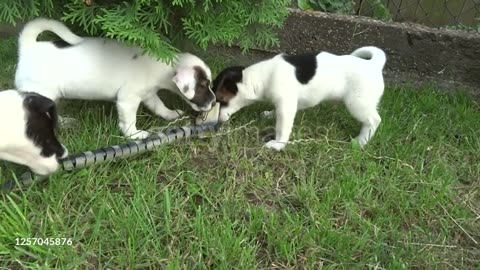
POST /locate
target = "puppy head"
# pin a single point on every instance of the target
(29, 131)
(194, 83)
(228, 91)
(41, 123)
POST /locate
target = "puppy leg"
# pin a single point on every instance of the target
(127, 107)
(155, 104)
(285, 113)
(367, 114)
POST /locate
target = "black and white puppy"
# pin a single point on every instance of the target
(102, 69)
(295, 82)
(27, 136)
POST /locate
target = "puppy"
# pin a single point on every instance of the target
(28, 122)
(102, 69)
(296, 82)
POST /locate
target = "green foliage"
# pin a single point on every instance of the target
(13, 10)
(159, 25)
(462, 27)
(375, 8)
(378, 8)
(334, 6)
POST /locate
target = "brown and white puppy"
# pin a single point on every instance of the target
(27, 136)
(296, 82)
(103, 69)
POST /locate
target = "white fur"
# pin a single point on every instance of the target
(101, 69)
(185, 77)
(357, 82)
(15, 146)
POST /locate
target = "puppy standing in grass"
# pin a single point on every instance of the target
(27, 136)
(294, 83)
(102, 69)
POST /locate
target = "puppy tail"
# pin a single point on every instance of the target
(373, 54)
(32, 29)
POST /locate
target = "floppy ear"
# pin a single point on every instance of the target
(42, 105)
(184, 76)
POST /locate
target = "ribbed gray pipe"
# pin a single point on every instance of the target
(132, 148)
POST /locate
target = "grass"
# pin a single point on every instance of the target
(409, 200)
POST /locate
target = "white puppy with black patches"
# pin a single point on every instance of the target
(102, 69)
(294, 83)
(27, 136)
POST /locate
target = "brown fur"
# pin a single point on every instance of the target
(225, 85)
(203, 94)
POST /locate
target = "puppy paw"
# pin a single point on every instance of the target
(173, 114)
(275, 145)
(361, 141)
(139, 135)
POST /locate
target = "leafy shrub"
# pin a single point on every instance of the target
(374, 8)
(158, 25)
(333, 6)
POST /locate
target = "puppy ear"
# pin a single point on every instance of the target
(39, 104)
(228, 76)
(183, 76)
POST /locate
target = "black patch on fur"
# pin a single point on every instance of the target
(42, 121)
(203, 94)
(61, 44)
(225, 84)
(366, 57)
(135, 56)
(305, 66)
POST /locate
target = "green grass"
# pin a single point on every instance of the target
(411, 199)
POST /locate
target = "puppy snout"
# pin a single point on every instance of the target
(206, 108)
(45, 166)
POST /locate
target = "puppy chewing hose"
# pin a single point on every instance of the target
(205, 124)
